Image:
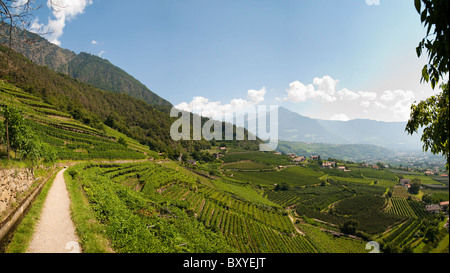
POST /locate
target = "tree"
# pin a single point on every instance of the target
(122, 141)
(350, 226)
(415, 186)
(433, 113)
(15, 132)
(283, 186)
(426, 198)
(16, 14)
(17, 136)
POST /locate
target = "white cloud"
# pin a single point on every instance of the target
(389, 95)
(62, 11)
(94, 42)
(365, 104)
(217, 110)
(379, 105)
(101, 53)
(388, 105)
(340, 117)
(346, 94)
(367, 95)
(324, 90)
(298, 92)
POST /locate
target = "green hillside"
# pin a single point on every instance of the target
(65, 137)
(95, 107)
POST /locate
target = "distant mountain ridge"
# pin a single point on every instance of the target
(85, 67)
(293, 127)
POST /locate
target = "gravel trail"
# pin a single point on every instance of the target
(55, 231)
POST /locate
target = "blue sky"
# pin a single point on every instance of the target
(329, 59)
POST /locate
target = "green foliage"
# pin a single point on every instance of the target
(415, 186)
(283, 186)
(141, 223)
(341, 151)
(294, 176)
(17, 135)
(433, 113)
(360, 204)
(261, 157)
(350, 226)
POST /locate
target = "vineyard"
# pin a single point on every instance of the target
(69, 138)
(135, 198)
(151, 207)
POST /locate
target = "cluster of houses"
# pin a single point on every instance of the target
(432, 208)
(436, 208)
(375, 167)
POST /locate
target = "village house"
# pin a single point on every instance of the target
(192, 162)
(314, 157)
(341, 168)
(327, 165)
(433, 209)
(444, 205)
(299, 159)
(405, 181)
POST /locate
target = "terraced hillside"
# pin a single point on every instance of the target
(161, 199)
(67, 137)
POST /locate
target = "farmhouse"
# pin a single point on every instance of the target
(192, 162)
(327, 165)
(314, 157)
(405, 182)
(299, 159)
(434, 208)
(341, 168)
(444, 205)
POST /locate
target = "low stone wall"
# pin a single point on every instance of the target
(14, 183)
(18, 189)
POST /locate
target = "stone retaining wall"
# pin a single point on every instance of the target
(14, 183)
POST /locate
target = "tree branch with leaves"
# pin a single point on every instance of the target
(433, 113)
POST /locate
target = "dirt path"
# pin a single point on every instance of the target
(55, 231)
(293, 223)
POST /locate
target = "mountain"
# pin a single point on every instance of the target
(293, 127)
(390, 135)
(85, 67)
(95, 107)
